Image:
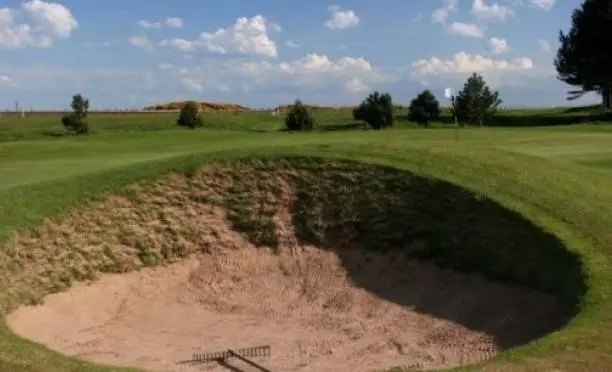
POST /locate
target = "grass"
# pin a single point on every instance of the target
(558, 178)
(48, 125)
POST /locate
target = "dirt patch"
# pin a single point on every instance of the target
(287, 256)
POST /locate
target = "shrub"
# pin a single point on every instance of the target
(423, 108)
(190, 116)
(77, 120)
(376, 110)
(299, 117)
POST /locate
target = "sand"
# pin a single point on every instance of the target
(319, 309)
(301, 302)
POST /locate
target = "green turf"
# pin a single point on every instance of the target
(559, 178)
(48, 125)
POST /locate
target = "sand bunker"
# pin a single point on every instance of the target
(319, 308)
(299, 302)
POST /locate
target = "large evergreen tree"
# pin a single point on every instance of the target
(476, 102)
(584, 58)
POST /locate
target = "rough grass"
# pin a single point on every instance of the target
(563, 199)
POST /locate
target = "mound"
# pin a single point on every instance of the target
(204, 106)
(316, 258)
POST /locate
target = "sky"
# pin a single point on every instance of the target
(133, 53)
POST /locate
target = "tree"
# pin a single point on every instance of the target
(423, 108)
(476, 103)
(376, 110)
(77, 120)
(584, 57)
(299, 117)
(190, 116)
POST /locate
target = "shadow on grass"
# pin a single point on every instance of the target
(339, 127)
(578, 115)
(402, 218)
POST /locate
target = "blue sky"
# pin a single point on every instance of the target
(133, 53)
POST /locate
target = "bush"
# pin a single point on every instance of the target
(299, 118)
(423, 108)
(190, 116)
(376, 110)
(77, 121)
(476, 103)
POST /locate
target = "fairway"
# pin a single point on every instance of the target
(557, 178)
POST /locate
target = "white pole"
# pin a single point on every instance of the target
(448, 93)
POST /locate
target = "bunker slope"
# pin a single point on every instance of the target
(341, 308)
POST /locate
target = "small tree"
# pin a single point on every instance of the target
(423, 108)
(190, 116)
(299, 117)
(376, 110)
(77, 120)
(476, 103)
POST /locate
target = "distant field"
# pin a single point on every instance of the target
(47, 124)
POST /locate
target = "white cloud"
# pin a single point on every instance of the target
(192, 85)
(174, 22)
(498, 46)
(246, 36)
(356, 85)
(149, 24)
(41, 78)
(543, 4)
(545, 45)
(341, 19)
(494, 11)
(180, 44)
(51, 18)
(44, 23)
(463, 63)
(275, 27)
(313, 72)
(315, 63)
(291, 44)
(440, 15)
(465, 29)
(141, 42)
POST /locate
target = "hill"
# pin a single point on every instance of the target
(204, 106)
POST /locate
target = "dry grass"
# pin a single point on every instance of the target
(204, 106)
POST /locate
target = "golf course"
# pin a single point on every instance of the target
(510, 223)
(267, 187)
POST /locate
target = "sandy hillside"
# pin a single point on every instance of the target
(218, 290)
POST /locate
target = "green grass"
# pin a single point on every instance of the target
(48, 125)
(560, 179)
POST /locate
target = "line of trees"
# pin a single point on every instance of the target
(475, 104)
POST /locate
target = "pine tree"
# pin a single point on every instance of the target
(584, 57)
